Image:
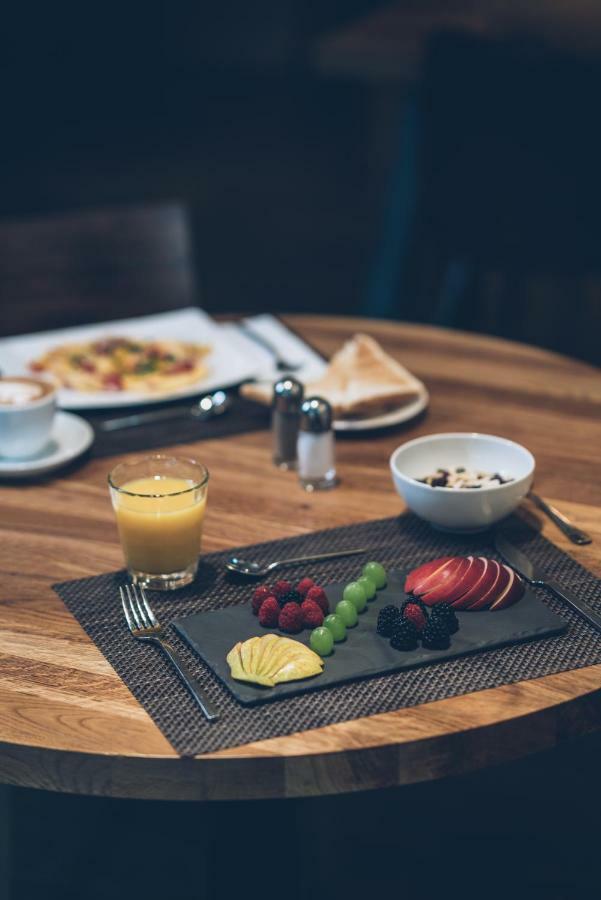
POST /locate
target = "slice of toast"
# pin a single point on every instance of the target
(360, 381)
(363, 381)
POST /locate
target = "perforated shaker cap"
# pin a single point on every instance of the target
(316, 415)
(287, 394)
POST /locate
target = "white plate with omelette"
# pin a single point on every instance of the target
(131, 361)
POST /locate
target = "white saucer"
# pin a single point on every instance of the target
(394, 417)
(70, 437)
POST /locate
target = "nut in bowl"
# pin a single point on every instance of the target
(500, 475)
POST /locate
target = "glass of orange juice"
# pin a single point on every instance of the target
(160, 503)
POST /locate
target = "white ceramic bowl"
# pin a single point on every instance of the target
(454, 509)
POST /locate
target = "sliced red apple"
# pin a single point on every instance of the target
(483, 577)
(416, 579)
(497, 587)
(466, 582)
(513, 591)
(444, 579)
(452, 586)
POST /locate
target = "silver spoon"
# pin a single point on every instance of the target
(257, 570)
(576, 535)
(206, 408)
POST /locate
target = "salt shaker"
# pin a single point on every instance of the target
(315, 448)
(287, 399)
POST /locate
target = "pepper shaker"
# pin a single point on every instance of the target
(287, 399)
(315, 448)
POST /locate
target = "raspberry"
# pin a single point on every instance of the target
(262, 593)
(312, 614)
(280, 588)
(318, 595)
(413, 613)
(291, 618)
(269, 612)
(305, 585)
(417, 601)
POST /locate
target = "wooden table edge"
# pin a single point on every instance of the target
(377, 764)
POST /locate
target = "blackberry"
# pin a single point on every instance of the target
(442, 612)
(404, 636)
(290, 597)
(435, 635)
(402, 606)
(388, 617)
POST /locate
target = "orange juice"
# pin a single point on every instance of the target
(160, 523)
(159, 503)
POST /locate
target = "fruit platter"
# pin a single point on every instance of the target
(292, 637)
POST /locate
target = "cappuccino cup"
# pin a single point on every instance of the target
(27, 407)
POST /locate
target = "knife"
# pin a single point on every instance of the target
(576, 535)
(206, 408)
(534, 575)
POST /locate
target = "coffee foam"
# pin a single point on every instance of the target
(19, 392)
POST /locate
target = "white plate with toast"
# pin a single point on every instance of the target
(366, 387)
(388, 419)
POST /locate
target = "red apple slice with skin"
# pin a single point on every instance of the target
(444, 579)
(452, 587)
(483, 578)
(513, 592)
(485, 600)
(416, 579)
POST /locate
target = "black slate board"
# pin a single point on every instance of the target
(212, 634)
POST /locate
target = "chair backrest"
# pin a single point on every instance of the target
(91, 266)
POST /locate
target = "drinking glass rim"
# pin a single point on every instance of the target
(186, 459)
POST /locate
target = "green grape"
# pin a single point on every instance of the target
(368, 586)
(347, 612)
(356, 594)
(335, 624)
(376, 572)
(321, 641)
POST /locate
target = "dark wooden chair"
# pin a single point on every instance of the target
(92, 266)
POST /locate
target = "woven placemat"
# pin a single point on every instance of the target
(243, 416)
(403, 541)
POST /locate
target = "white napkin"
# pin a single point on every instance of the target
(290, 347)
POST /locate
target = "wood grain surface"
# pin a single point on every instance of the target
(68, 723)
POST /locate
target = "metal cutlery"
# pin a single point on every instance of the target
(206, 408)
(576, 535)
(535, 575)
(255, 570)
(281, 364)
(144, 626)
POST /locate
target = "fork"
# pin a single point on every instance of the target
(143, 625)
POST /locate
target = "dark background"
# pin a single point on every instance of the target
(429, 161)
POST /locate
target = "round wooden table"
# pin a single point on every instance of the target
(67, 722)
